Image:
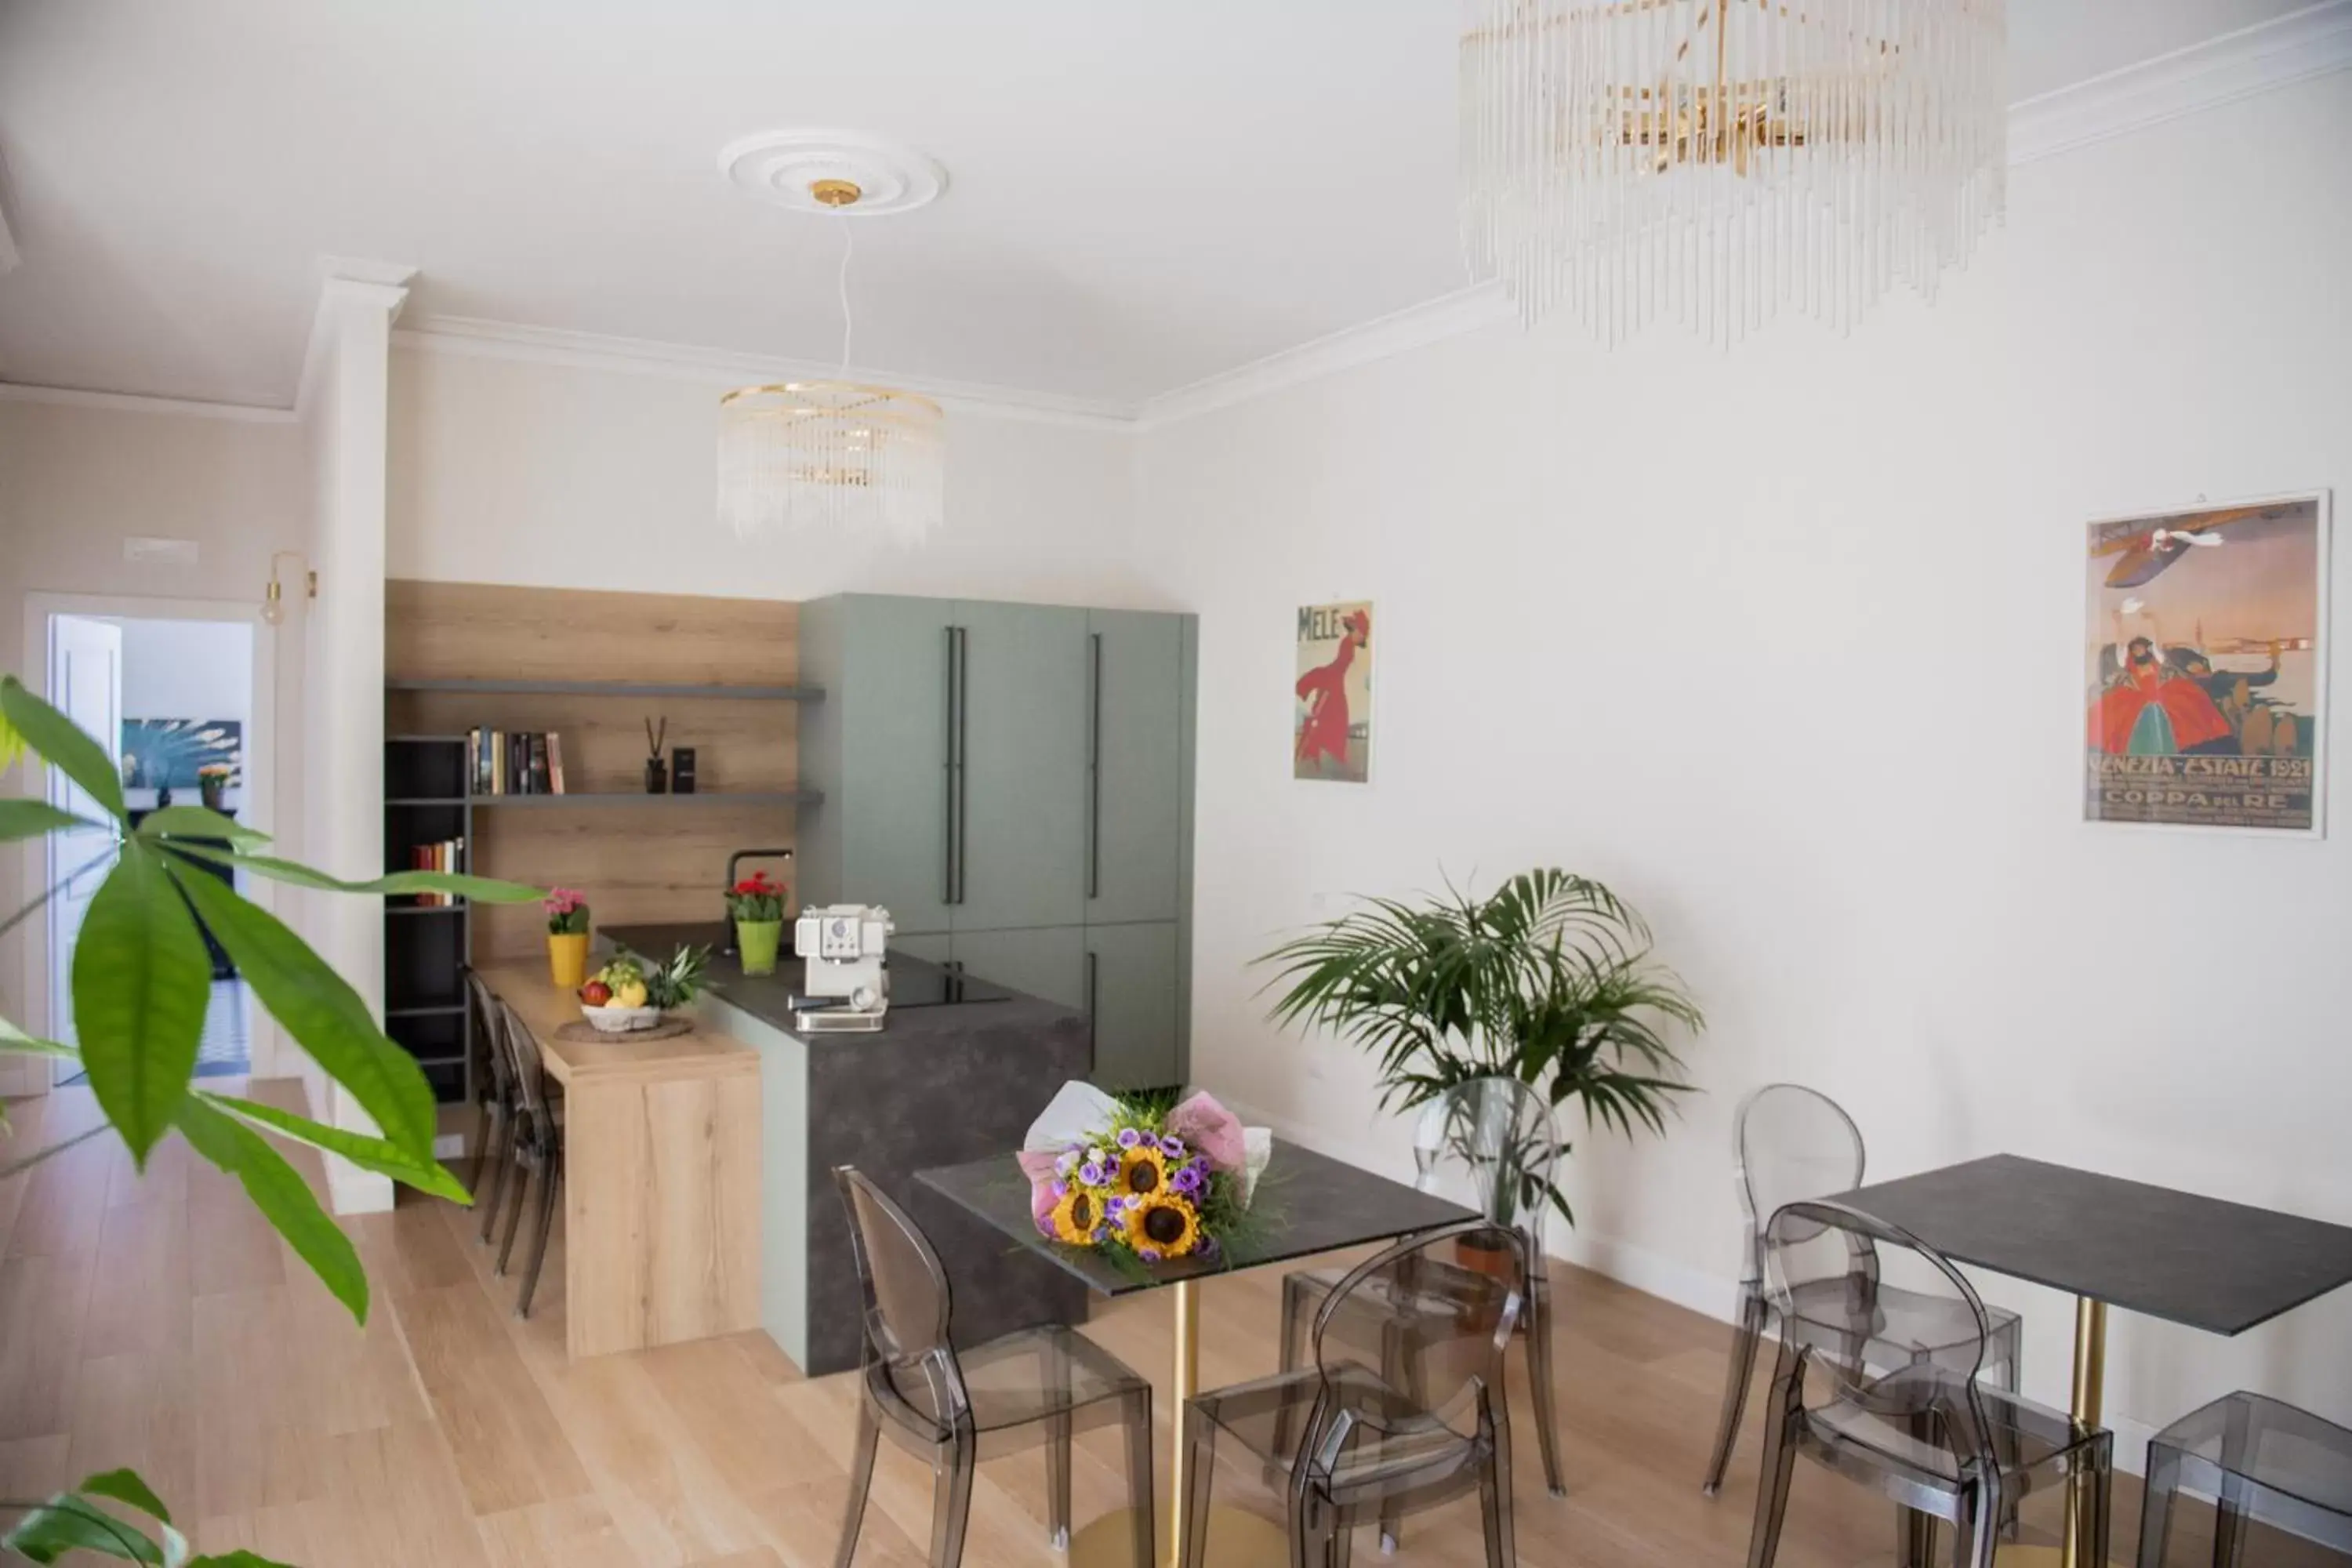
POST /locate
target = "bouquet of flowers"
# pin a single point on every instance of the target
(1130, 1177)
(756, 901)
(567, 911)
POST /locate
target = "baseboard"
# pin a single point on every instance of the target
(351, 1190)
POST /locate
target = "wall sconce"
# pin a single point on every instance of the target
(273, 598)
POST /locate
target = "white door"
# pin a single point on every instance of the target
(86, 686)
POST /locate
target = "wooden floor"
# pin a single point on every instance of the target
(158, 1322)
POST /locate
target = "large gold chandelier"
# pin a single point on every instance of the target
(1718, 159)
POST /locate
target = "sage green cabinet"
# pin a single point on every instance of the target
(1014, 782)
(1135, 765)
(1021, 772)
(1050, 963)
(877, 747)
(1132, 984)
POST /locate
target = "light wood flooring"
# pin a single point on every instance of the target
(158, 1322)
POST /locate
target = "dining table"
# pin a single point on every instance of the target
(2207, 1264)
(1304, 1203)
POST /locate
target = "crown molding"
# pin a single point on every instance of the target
(470, 337)
(1401, 332)
(2307, 43)
(135, 403)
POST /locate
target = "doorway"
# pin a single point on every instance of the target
(179, 696)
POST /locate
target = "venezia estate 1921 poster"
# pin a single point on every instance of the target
(2206, 666)
(1331, 726)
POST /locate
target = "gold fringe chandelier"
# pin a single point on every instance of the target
(1720, 159)
(834, 459)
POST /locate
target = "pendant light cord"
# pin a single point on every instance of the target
(848, 323)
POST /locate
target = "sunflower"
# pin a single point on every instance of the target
(1143, 1171)
(1162, 1225)
(1075, 1216)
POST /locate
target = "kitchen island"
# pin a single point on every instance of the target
(940, 1084)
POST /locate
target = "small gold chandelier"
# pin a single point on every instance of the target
(1720, 159)
(831, 456)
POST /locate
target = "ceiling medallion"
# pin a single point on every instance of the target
(1720, 159)
(839, 457)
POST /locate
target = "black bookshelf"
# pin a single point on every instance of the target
(426, 946)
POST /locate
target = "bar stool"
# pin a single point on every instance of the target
(537, 1146)
(2261, 1460)
(494, 1100)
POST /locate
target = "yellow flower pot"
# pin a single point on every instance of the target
(567, 958)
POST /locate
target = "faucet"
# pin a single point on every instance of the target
(733, 862)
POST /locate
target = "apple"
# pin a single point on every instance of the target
(596, 994)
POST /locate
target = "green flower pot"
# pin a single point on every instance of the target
(757, 941)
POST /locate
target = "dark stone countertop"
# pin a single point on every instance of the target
(768, 997)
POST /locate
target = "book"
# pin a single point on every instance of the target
(555, 761)
(539, 764)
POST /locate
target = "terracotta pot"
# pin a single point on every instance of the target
(567, 959)
(1498, 1263)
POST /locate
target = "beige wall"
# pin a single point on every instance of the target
(75, 481)
(1785, 644)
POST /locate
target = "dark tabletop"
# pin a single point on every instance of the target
(1307, 1203)
(2220, 1266)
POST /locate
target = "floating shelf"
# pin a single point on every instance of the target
(433, 1010)
(455, 908)
(622, 797)
(428, 800)
(614, 688)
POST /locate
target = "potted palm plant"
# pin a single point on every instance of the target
(1549, 980)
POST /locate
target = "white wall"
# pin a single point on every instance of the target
(560, 476)
(1784, 645)
(74, 482)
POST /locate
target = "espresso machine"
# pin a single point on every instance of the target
(841, 948)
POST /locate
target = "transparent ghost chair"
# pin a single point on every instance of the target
(1793, 1142)
(1345, 1443)
(2262, 1461)
(953, 1408)
(495, 1100)
(1498, 1135)
(1929, 1433)
(535, 1148)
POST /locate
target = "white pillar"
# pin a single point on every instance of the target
(345, 405)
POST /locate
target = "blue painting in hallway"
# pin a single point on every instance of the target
(164, 754)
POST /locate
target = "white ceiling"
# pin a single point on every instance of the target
(1141, 194)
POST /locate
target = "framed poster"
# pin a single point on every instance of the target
(1331, 724)
(2206, 666)
(164, 754)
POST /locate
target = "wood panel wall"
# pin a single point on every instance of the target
(655, 862)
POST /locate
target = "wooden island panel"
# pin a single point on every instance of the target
(662, 1180)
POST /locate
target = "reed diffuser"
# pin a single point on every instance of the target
(656, 770)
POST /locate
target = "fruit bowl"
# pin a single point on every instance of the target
(620, 1020)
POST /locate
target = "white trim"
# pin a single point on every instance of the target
(2220, 70)
(1416, 326)
(641, 357)
(137, 402)
(267, 1046)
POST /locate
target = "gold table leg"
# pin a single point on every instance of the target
(1242, 1539)
(2088, 1397)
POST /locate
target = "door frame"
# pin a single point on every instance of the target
(271, 1057)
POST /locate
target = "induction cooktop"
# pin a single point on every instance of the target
(918, 982)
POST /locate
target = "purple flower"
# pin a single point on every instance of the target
(1114, 1207)
(1149, 1253)
(1092, 1174)
(1171, 1147)
(1060, 1190)
(1128, 1137)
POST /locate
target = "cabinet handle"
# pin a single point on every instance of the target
(948, 778)
(1090, 982)
(962, 778)
(1093, 765)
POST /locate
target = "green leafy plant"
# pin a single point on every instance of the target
(1549, 980)
(679, 981)
(140, 980)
